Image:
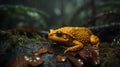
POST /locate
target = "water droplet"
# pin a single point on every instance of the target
(26, 58)
(37, 58)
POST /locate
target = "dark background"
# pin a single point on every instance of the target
(72, 12)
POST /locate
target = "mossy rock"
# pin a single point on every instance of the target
(13, 44)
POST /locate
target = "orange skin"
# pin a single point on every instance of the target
(74, 37)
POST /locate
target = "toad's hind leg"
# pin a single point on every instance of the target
(94, 40)
(77, 45)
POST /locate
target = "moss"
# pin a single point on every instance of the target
(21, 40)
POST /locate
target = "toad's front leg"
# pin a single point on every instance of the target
(76, 46)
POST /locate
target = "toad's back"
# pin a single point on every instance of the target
(81, 34)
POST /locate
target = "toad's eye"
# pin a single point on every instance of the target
(59, 34)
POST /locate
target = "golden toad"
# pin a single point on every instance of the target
(74, 37)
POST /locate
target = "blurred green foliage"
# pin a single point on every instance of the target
(89, 9)
(72, 13)
(20, 16)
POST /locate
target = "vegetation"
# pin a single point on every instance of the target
(20, 16)
(109, 11)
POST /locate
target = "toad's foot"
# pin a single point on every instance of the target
(78, 45)
(94, 40)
